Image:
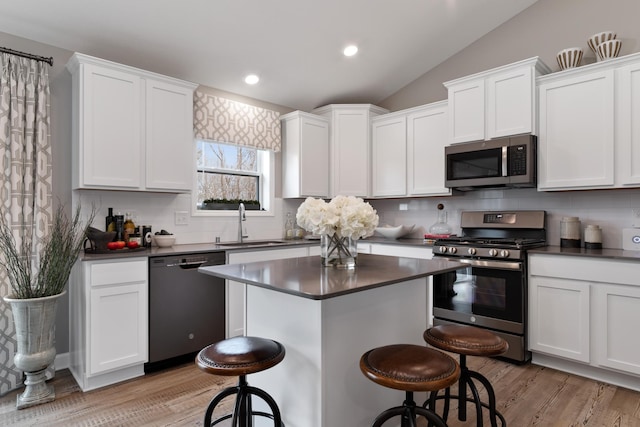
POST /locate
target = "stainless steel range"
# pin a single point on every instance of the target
(491, 292)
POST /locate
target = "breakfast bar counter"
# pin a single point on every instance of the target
(327, 318)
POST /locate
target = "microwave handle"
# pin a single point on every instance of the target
(505, 152)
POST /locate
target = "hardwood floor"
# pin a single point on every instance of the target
(527, 396)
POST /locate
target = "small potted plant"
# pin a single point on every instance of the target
(230, 204)
(37, 281)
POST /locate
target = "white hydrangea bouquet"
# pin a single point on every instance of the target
(340, 223)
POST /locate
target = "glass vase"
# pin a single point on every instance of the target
(338, 252)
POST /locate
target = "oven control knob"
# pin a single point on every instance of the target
(493, 252)
(471, 251)
(504, 253)
(442, 249)
(453, 250)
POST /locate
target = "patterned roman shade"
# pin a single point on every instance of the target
(222, 120)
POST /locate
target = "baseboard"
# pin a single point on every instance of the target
(619, 379)
(62, 361)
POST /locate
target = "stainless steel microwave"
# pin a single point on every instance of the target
(500, 162)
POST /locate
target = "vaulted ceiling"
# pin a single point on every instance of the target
(295, 46)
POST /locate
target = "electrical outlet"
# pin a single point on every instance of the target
(182, 218)
(636, 212)
(404, 206)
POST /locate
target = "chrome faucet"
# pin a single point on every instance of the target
(241, 217)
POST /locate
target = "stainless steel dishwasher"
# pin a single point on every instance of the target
(186, 308)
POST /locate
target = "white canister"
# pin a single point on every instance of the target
(570, 232)
(593, 237)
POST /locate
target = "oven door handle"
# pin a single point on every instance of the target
(503, 265)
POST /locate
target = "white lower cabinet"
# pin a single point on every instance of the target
(586, 310)
(615, 319)
(108, 320)
(559, 317)
(236, 291)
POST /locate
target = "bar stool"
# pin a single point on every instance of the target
(468, 340)
(409, 368)
(241, 356)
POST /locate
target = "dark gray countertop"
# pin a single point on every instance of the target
(307, 278)
(228, 246)
(596, 253)
(191, 249)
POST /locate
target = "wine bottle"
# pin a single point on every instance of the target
(110, 221)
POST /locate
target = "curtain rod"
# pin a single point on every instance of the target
(27, 55)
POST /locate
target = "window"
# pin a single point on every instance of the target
(227, 173)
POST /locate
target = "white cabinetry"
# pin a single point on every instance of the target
(585, 310)
(589, 137)
(305, 155)
(350, 147)
(576, 132)
(236, 291)
(495, 103)
(389, 160)
(411, 140)
(559, 317)
(108, 321)
(132, 129)
(627, 124)
(426, 138)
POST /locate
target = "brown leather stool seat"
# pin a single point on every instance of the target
(240, 356)
(409, 368)
(468, 341)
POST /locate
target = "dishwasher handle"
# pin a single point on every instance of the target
(186, 265)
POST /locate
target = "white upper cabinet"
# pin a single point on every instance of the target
(426, 138)
(494, 103)
(627, 124)
(589, 132)
(408, 152)
(350, 147)
(305, 155)
(132, 129)
(389, 162)
(576, 141)
(169, 136)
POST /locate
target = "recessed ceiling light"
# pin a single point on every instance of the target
(251, 79)
(350, 50)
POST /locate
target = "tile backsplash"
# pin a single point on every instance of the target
(612, 210)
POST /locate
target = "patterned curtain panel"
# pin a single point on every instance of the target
(222, 120)
(25, 177)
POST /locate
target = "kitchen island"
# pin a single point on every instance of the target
(327, 318)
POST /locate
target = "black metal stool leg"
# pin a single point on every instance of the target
(275, 411)
(465, 385)
(243, 413)
(430, 404)
(476, 398)
(493, 412)
(408, 413)
(215, 401)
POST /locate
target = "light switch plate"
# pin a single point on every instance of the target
(182, 218)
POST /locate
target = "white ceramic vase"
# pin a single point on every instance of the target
(34, 320)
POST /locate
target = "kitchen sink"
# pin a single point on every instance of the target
(253, 243)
